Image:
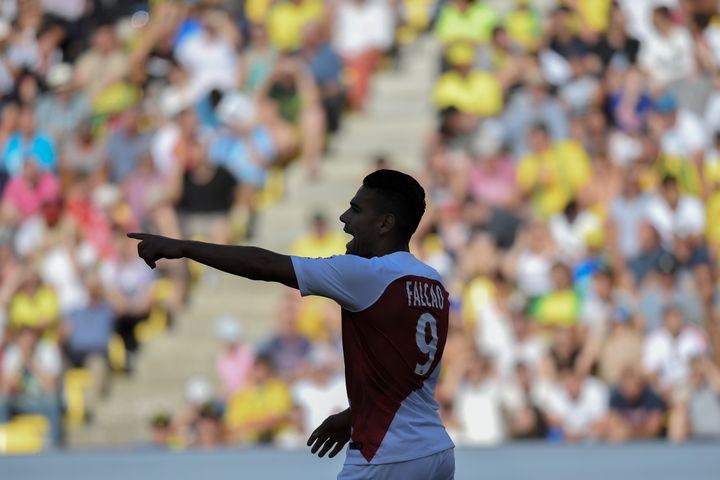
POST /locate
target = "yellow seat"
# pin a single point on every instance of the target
(274, 189)
(116, 353)
(25, 434)
(154, 326)
(77, 381)
(158, 320)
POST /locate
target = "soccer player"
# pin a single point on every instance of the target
(394, 327)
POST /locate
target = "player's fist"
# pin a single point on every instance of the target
(154, 247)
(333, 434)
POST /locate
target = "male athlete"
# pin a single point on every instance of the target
(394, 327)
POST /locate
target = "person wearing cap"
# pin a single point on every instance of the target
(61, 110)
(683, 141)
(472, 91)
(234, 363)
(199, 393)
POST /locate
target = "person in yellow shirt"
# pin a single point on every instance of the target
(561, 307)
(35, 305)
(287, 19)
(320, 241)
(470, 90)
(711, 179)
(465, 21)
(552, 173)
(523, 25)
(258, 412)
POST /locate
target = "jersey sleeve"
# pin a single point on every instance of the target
(351, 281)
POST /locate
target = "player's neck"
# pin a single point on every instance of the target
(383, 250)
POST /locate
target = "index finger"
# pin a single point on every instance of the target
(138, 236)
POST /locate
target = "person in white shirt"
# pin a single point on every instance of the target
(578, 406)
(209, 55)
(479, 405)
(363, 31)
(668, 351)
(668, 53)
(30, 373)
(321, 394)
(683, 133)
(676, 215)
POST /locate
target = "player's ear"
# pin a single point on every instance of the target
(387, 223)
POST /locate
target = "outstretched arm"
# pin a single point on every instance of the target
(249, 262)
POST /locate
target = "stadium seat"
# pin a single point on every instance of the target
(274, 189)
(116, 353)
(25, 434)
(76, 382)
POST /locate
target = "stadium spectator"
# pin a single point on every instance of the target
(578, 406)
(288, 349)
(31, 368)
(26, 193)
(465, 21)
(87, 332)
(327, 68)
(636, 411)
(479, 404)
(363, 30)
(668, 350)
(258, 412)
(61, 110)
(321, 393)
(704, 401)
(290, 99)
(235, 362)
(27, 142)
(129, 289)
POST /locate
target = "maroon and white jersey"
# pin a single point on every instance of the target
(394, 327)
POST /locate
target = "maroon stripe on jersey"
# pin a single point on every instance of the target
(383, 352)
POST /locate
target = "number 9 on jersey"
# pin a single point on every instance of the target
(428, 348)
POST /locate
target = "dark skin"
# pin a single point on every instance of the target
(375, 233)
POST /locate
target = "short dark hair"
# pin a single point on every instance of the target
(669, 181)
(401, 195)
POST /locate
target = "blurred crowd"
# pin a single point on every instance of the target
(573, 182)
(176, 118)
(574, 196)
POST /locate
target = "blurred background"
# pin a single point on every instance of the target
(570, 151)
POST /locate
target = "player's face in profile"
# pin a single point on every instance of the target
(362, 222)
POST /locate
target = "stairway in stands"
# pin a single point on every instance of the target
(398, 118)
